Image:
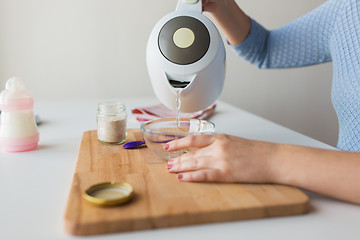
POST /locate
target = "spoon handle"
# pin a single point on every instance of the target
(133, 144)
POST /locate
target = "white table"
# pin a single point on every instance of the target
(34, 185)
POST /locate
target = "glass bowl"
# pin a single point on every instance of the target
(158, 132)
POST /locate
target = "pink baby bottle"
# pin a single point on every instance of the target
(18, 130)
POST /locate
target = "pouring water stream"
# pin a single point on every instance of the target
(135, 144)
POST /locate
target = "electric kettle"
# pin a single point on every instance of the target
(185, 55)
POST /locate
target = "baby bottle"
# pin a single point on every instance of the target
(18, 130)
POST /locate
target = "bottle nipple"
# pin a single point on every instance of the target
(15, 96)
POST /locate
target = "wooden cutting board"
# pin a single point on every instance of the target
(160, 200)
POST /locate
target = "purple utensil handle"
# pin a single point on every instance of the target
(133, 144)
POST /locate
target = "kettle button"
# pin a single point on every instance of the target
(183, 37)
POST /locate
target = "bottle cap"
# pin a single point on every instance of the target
(109, 193)
(15, 97)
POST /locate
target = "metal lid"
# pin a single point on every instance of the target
(184, 40)
(109, 193)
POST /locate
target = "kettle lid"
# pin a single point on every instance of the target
(183, 40)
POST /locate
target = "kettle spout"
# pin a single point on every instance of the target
(175, 82)
(178, 84)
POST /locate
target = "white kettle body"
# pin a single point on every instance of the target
(185, 53)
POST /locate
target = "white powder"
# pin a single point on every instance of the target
(111, 130)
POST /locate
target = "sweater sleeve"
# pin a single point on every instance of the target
(302, 42)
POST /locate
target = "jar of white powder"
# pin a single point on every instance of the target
(111, 122)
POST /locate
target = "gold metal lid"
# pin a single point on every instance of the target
(109, 193)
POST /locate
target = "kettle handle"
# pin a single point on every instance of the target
(189, 5)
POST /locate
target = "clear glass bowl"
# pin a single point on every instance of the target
(158, 132)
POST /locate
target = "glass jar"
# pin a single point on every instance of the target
(111, 122)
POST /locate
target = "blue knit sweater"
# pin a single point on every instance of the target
(330, 32)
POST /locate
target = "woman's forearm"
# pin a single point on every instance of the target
(331, 173)
(232, 20)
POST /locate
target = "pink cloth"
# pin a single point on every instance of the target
(144, 114)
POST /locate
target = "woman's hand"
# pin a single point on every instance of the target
(233, 21)
(211, 5)
(222, 158)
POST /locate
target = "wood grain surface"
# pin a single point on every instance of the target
(160, 200)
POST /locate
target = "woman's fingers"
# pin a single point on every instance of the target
(203, 175)
(177, 165)
(192, 161)
(196, 141)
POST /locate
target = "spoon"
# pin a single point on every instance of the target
(133, 144)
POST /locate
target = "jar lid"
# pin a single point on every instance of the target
(111, 108)
(109, 193)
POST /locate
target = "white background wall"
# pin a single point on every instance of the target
(67, 49)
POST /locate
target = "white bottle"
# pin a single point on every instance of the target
(18, 130)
